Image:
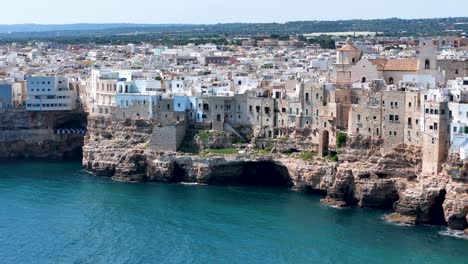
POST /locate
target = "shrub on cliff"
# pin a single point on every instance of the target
(341, 139)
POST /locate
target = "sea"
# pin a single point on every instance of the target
(59, 213)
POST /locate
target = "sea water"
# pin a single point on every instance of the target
(58, 213)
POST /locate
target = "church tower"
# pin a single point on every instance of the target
(427, 52)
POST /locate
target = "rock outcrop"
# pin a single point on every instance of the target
(363, 177)
(30, 135)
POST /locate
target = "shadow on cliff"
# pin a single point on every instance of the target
(261, 174)
(436, 213)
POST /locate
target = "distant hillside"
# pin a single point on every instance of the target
(109, 33)
(17, 28)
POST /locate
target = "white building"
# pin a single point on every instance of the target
(50, 94)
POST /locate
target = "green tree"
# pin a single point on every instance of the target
(341, 139)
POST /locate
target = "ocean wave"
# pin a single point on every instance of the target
(193, 184)
(453, 233)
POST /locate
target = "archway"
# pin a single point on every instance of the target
(427, 64)
(324, 143)
(364, 79)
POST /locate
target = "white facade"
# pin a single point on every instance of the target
(49, 94)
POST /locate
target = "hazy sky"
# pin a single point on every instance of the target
(220, 11)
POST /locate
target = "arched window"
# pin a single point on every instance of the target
(354, 60)
(364, 79)
(456, 71)
(120, 88)
(390, 80)
(427, 64)
(126, 88)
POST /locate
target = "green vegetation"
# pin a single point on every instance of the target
(226, 34)
(307, 156)
(219, 151)
(203, 135)
(333, 156)
(289, 151)
(341, 139)
(325, 42)
(263, 151)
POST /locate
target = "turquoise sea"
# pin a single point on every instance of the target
(57, 213)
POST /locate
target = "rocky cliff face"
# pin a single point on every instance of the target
(363, 177)
(31, 135)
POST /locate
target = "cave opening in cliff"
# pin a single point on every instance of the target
(261, 174)
(312, 191)
(179, 174)
(436, 213)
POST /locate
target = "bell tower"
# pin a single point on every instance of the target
(427, 51)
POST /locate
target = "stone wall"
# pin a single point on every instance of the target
(167, 138)
(31, 135)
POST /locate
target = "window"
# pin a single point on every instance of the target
(307, 112)
(391, 118)
(307, 97)
(250, 108)
(390, 133)
(409, 104)
(454, 129)
(359, 118)
(168, 107)
(394, 133)
(435, 126)
(375, 117)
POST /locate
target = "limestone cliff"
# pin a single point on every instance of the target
(363, 177)
(31, 135)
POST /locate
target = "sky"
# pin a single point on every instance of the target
(219, 11)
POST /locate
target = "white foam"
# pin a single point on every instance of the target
(453, 233)
(193, 184)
